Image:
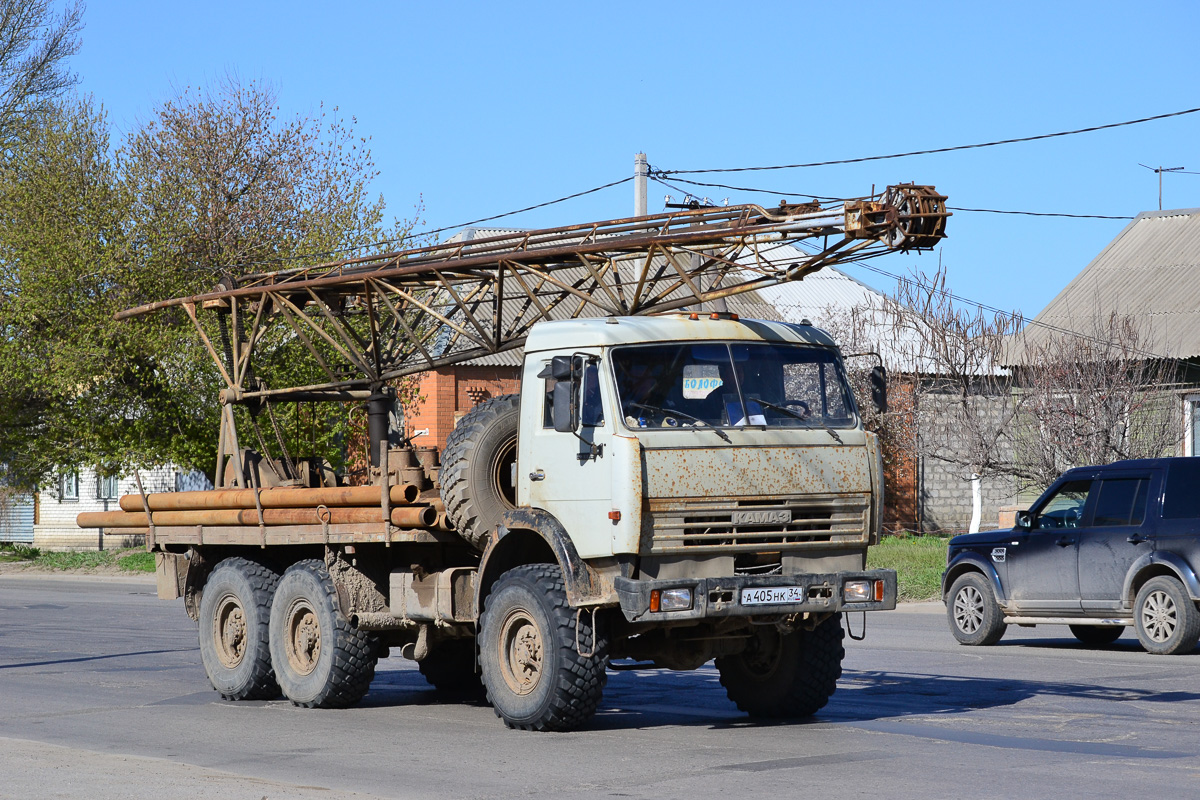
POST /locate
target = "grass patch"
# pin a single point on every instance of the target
(136, 561)
(90, 559)
(16, 551)
(918, 560)
(129, 560)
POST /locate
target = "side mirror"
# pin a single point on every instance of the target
(562, 368)
(1024, 520)
(565, 410)
(878, 380)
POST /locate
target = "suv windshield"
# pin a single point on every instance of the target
(731, 385)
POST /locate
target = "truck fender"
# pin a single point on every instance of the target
(973, 562)
(532, 536)
(1158, 563)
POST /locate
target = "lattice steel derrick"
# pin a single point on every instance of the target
(372, 319)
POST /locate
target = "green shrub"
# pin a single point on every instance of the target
(918, 560)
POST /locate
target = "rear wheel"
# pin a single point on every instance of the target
(788, 675)
(1165, 618)
(234, 614)
(320, 659)
(974, 616)
(477, 468)
(1097, 634)
(530, 644)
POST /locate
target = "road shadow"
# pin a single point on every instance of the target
(650, 698)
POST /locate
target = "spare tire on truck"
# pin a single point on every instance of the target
(477, 476)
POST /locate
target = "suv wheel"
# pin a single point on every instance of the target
(1166, 619)
(971, 608)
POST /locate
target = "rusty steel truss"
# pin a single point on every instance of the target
(373, 319)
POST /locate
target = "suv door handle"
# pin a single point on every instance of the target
(1137, 539)
(537, 476)
(1065, 542)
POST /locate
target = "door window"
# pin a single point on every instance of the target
(1122, 501)
(1064, 509)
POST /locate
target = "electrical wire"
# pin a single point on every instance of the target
(839, 199)
(996, 143)
(390, 242)
(1014, 315)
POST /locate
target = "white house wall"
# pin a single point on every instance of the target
(56, 528)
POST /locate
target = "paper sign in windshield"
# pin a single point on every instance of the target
(700, 380)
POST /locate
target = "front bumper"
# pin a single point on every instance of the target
(721, 597)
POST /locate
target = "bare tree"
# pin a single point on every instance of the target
(962, 392)
(1094, 396)
(863, 335)
(34, 46)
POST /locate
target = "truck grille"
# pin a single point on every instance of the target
(749, 524)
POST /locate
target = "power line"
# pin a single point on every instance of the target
(387, 242)
(1039, 213)
(937, 149)
(820, 197)
(1014, 315)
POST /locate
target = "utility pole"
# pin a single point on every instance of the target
(1160, 171)
(641, 170)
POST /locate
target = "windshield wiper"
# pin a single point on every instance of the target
(794, 415)
(667, 413)
(787, 411)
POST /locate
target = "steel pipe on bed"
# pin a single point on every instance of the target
(403, 516)
(341, 496)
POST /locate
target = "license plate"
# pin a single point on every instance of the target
(770, 595)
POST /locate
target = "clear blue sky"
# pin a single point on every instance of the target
(482, 108)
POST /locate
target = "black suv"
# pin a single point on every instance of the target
(1103, 548)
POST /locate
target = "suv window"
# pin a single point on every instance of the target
(1181, 500)
(1064, 509)
(1121, 501)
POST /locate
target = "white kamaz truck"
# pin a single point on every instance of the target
(672, 485)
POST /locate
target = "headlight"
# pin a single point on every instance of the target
(670, 599)
(856, 591)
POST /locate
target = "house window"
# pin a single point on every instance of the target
(1191, 441)
(68, 486)
(106, 488)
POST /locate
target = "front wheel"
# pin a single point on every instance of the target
(785, 675)
(1165, 618)
(321, 660)
(974, 616)
(531, 652)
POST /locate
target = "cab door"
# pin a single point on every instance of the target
(1043, 561)
(1121, 531)
(569, 475)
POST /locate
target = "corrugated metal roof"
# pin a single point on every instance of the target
(1150, 271)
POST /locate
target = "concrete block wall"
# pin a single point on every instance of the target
(945, 492)
(55, 528)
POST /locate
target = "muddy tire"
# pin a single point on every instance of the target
(476, 474)
(536, 678)
(785, 676)
(320, 659)
(234, 615)
(450, 668)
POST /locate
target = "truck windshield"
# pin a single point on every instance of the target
(732, 385)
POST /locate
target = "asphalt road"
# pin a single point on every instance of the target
(102, 696)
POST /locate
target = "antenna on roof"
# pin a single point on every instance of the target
(1160, 171)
